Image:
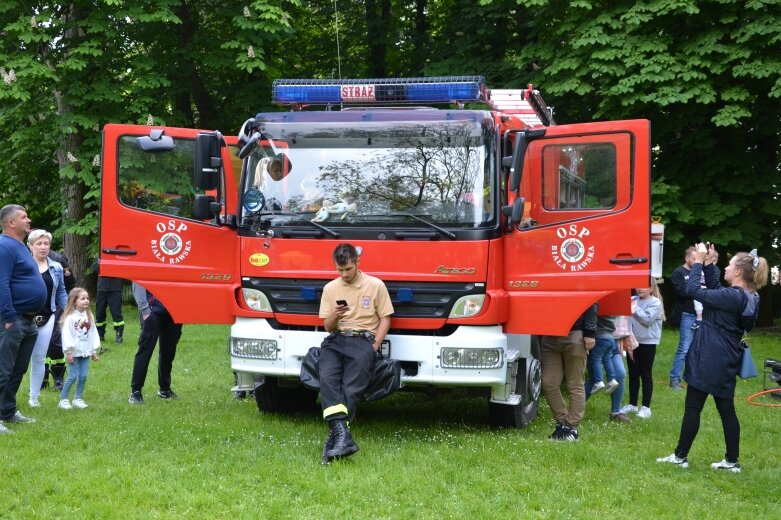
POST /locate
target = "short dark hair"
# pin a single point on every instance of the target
(345, 253)
(8, 211)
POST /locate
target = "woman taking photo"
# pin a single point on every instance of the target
(39, 241)
(715, 354)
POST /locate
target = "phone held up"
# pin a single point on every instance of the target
(341, 303)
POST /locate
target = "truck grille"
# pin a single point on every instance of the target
(410, 299)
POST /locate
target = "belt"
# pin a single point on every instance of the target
(28, 316)
(350, 333)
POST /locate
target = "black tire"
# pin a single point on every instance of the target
(273, 398)
(529, 386)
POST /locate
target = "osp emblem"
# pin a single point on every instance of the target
(171, 248)
(572, 254)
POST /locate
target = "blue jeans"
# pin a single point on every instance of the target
(617, 360)
(16, 347)
(601, 356)
(77, 373)
(687, 335)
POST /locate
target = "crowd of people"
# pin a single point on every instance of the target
(47, 318)
(48, 324)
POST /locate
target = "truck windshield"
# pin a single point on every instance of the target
(366, 174)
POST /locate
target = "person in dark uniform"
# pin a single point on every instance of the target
(109, 295)
(22, 294)
(356, 310)
(158, 323)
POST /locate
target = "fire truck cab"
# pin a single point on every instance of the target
(489, 224)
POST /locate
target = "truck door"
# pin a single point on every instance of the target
(585, 232)
(148, 231)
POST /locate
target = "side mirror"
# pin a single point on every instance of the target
(156, 142)
(252, 143)
(515, 161)
(205, 207)
(514, 212)
(207, 160)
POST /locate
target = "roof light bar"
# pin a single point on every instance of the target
(385, 90)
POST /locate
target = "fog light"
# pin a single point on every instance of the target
(254, 348)
(256, 300)
(470, 357)
(467, 306)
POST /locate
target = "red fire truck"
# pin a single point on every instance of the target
(489, 224)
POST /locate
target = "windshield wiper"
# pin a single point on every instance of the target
(288, 214)
(430, 224)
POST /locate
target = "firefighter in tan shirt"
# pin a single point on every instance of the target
(356, 310)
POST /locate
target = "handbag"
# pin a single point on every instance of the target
(747, 367)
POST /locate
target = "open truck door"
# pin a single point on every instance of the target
(167, 226)
(581, 232)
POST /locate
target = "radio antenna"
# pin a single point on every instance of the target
(338, 50)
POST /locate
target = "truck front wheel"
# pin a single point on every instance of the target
(271, 397)
(528, 384)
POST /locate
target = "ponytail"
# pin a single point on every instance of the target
(753, 269)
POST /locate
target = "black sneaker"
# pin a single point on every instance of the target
(570, 434)
(557, 433)
(118, 339)
(136, 398)
(167, 394)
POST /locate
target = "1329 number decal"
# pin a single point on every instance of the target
(216, 277)
(522, 284)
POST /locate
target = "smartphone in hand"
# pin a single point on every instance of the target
(341, 303)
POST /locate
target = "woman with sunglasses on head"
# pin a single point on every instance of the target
(716, 351)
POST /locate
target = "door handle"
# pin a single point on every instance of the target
(126, 252)
(629, 260)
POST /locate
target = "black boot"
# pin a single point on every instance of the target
(58, 371)
(328, 446)
(118, 338)
(344, 445)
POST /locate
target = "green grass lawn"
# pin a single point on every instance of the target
(422, 456)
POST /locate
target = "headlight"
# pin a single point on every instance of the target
(256, 300)
(254, 348)
(470, 357)
(467, 306)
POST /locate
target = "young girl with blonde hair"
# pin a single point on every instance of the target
(80, 342)
(647, 317)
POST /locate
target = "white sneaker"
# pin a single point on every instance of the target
(64, 404)
(627, 409)
(78, 403)
(682, 463)
(599, 385)
(734, 467)
(611, 386)
(644, 413)
(33, 402)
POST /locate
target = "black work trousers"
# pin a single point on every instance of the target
(156, 326)
(346, 368)
(112, 300)
(695, 401)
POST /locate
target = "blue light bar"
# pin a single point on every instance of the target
(378, 91)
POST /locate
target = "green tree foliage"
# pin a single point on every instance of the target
(67, 69)
(708, 75)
